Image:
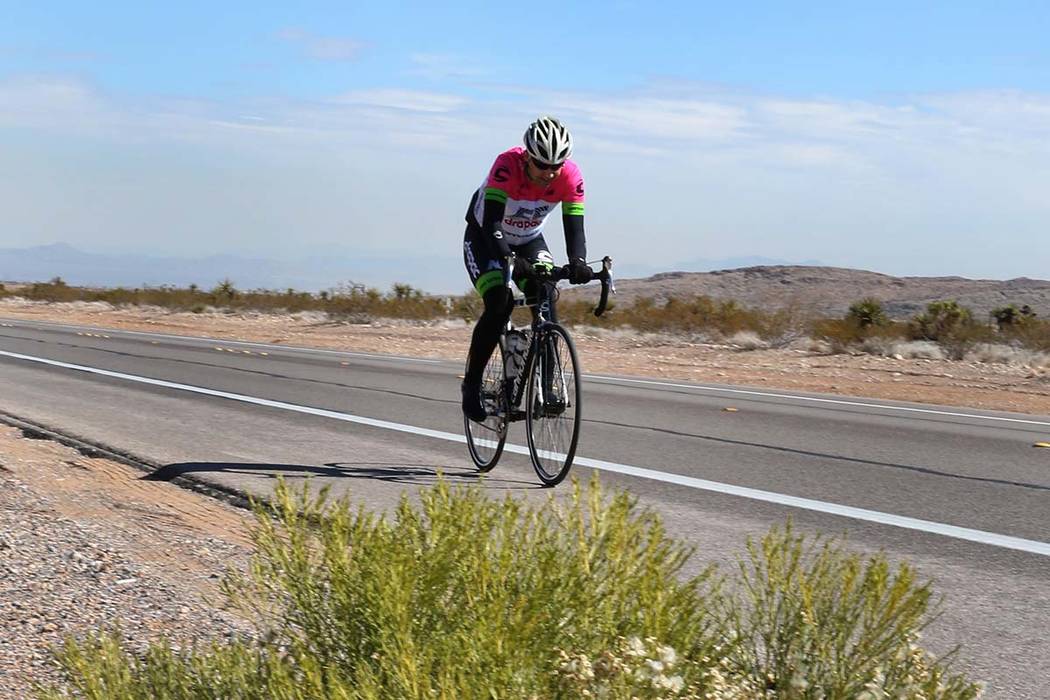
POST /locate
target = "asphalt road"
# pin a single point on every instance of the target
(962, 494)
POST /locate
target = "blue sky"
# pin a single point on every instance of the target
(909, 138)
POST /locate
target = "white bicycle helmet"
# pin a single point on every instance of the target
(548, 141)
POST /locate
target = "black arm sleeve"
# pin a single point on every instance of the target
(493, 214)
(575, 241)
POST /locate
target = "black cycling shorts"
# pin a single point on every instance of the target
(484, 269)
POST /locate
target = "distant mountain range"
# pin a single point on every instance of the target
(437, 274)
(313, 273)
(627, 269)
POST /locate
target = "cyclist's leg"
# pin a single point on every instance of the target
(487, 276)
(536, 253)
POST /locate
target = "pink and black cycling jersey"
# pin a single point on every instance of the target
(527, 204)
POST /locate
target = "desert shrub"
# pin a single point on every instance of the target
(1009, 318)
(867, 313)
(462, 596)
(467, 307)
(224, 292)
(817, 621)
(54, 290)
(951, 325)
(839, 333)
(865, 324)
(1034, 335)
(783, 326)
(959, 341)
(940, 320)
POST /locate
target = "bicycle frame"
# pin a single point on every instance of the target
(542, 317)
(545, 378)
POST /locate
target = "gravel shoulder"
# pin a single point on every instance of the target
(87, 544)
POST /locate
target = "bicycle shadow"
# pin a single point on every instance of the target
(390, 472)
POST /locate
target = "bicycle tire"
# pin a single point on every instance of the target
(485, 440)
(553, 412)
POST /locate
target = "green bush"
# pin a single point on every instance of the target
(952, 326)
(940, 320)
(867, 313)
(1008, 318)
(816, 621)
(463, 596)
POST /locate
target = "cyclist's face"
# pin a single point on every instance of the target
(542, 174)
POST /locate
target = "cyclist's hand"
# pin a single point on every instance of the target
(580, 272)
(542, 270)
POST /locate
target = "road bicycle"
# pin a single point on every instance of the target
(534, 376)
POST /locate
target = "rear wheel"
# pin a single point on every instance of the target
(552, 405)
(485, 440)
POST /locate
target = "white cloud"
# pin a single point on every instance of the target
(758, 171)
(323, 48)
(31, 95)
(410, 100)
(435, 66)
(680, 119)
(801, 132)
(830, 119)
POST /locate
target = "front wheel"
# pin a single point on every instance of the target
(485, 440)
(552, 404)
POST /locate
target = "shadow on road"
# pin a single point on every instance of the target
(395, 472)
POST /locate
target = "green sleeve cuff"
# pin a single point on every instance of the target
(491, 193)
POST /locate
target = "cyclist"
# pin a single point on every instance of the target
(507, 213)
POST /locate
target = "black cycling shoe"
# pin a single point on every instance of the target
(472, 405)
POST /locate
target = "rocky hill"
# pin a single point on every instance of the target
(830, 290)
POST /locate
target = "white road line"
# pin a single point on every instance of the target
(815, 399)
(962, 533)
(269, 346)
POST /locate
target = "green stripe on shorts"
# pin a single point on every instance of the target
(492, 278)
(572, 208)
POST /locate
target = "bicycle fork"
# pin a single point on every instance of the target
(552, 390)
